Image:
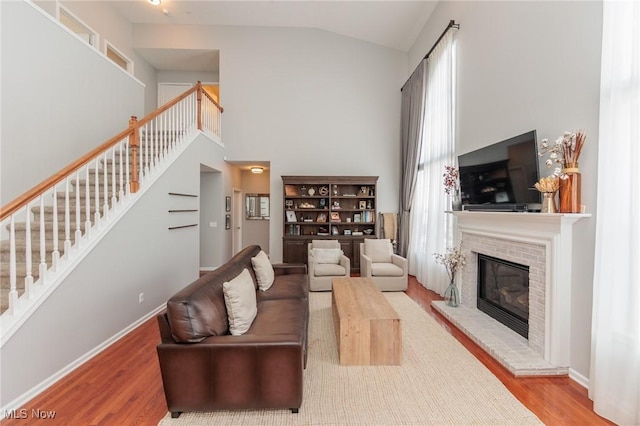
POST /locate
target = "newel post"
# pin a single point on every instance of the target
(199, 98)
(134, 143)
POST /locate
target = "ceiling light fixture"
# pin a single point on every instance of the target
(257, 170)
(155, 2)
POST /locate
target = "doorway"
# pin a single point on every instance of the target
(236, 223)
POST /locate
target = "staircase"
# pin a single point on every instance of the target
(80, 222)
(49, 226)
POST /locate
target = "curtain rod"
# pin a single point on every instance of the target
(452, 24)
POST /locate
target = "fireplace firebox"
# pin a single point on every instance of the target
(503, 292)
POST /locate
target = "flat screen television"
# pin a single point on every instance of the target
(501, 176)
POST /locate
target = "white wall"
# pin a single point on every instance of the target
(60, 98)
(309, 101)
(523, 66)
(100, 296)
(102, 17)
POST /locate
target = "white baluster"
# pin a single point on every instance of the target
(28, 279)
(164, 134)
(183, 119)
(67, 219)
(172, 126)
(97, 192)
(114, 197)
(43, 244)
(55, 256)
(105, 185)
(126, 169)
(146, 150)
(78, 234)
(154, 151)
(13, 289)
(87, 202)
(121, 171)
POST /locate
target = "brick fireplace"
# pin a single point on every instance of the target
(543, 243)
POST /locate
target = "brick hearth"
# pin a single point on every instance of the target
(543, 243)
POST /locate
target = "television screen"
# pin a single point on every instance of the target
(501, 176)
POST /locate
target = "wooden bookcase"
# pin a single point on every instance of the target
(342, 208)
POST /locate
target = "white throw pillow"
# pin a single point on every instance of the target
(240, 299)
(327, 255)
(264, 270)
(378, 250)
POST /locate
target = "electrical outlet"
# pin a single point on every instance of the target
(141, 298)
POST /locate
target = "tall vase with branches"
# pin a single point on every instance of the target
(564, 154)
(451, 183)
(453, 260)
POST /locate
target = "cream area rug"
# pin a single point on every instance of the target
(438, 383)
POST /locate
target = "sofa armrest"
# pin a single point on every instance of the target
(365, 265)
(221, 372)
(345, 262)
(400, 261)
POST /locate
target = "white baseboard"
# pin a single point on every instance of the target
(579, 378)
(17, 403)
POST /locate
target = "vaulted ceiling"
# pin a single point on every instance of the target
(394, 24)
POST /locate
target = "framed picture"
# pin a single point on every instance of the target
(322, 217)
(356, 217)
(291, 216)
(335, 217)
(334, 230)
(227, 204)
(362, 204)
(227, 221)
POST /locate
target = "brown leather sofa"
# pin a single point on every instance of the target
(205, 368)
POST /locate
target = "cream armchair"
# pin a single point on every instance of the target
(326, 261)
(388, 271)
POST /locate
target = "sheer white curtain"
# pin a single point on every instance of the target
(614, 382)
(430, 227)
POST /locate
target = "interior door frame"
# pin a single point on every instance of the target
(236, 221)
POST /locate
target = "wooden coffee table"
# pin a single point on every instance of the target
(368, 330)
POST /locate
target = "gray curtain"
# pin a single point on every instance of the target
(411, 123)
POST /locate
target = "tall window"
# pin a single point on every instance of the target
(431, 230)
(614, 382)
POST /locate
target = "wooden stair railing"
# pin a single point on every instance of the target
(101, 180)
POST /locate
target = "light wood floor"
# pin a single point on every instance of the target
(122, 385)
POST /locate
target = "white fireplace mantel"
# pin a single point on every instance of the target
(554, 231)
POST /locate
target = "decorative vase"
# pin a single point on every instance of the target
(456, 200)
(451, 295)
(549, 202)
(570, 186)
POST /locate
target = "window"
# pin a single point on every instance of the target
(430, 227)
(78, 27)
(118, 57)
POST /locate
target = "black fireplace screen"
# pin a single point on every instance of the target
(503, 292)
